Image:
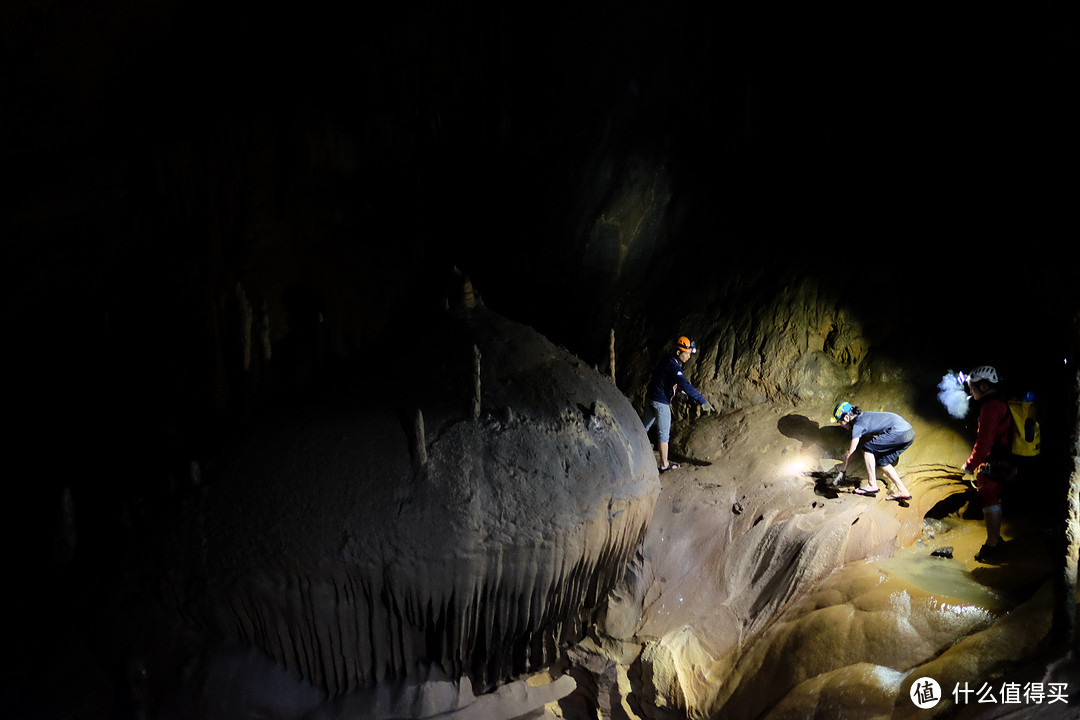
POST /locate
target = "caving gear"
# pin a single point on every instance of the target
(1026, 436)
(684, 344)
(983, 372)
(991, 554)
(841, 410)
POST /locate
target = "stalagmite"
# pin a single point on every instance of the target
(419, 441)
(475, 407)
(468, 294)
(611, 353)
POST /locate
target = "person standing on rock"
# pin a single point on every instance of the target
(668, 379)
(883, 436)
(991, 458)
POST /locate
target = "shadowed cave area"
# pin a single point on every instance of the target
(332, 333)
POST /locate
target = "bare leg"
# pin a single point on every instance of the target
(871, 470)
(663, 453)
(899, 490)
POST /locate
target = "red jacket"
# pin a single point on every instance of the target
(992, 437)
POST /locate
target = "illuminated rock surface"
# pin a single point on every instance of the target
(765, 589)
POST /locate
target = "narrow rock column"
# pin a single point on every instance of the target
(1065, 605)
(1065, 618)
(420, 442)
(611, 353)
(476, 384)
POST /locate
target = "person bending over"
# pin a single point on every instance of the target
(883, 436)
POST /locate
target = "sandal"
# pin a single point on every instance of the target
(898, 497)
(669, 466)
(865, 491)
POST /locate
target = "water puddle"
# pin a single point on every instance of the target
(941, 565)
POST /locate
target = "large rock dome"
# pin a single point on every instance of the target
(424, 516)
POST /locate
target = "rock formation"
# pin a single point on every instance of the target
(328, 543)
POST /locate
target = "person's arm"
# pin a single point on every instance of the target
(851, 451)
(689, 389)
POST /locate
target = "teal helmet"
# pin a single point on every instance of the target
(841, 410)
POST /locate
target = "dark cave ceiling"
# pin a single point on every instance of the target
(158, 152)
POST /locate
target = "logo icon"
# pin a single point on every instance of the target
(925, 693)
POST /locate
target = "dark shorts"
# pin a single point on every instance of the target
(888, 446)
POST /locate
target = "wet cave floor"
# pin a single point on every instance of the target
(929, 610)
(844, 639)
(853, 644)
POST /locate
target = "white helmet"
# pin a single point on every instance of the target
(983, 372)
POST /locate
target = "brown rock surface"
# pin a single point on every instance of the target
(765, 588)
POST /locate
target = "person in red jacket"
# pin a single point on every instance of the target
(990, 458)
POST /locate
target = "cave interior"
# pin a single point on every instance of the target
(335, 176)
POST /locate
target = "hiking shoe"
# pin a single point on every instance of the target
(990, 553)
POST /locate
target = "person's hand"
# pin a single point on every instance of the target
(835, 475)
(707, 406)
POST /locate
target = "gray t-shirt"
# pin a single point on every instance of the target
(870, 423)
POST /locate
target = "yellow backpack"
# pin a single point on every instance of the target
(1026, 437)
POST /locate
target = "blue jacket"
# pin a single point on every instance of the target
(669, 379)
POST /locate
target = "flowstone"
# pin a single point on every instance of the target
(427, 516)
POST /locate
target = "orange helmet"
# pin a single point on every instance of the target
(684, 344)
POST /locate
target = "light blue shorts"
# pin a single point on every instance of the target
(661, 415)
